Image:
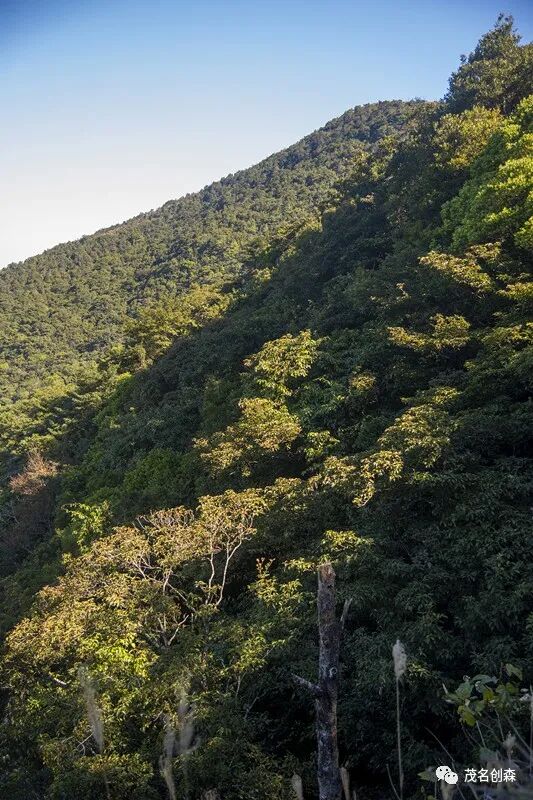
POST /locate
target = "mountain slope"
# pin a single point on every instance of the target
(71, 301)
(362, 394)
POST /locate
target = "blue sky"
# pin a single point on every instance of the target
(113, 107)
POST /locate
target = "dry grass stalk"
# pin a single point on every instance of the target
(530, 730)
(399, 657)
(345, 780)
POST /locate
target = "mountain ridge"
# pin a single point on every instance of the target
(217, 181)
(201, 236)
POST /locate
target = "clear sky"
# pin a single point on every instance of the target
(112, 107)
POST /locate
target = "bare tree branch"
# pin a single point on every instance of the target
(312, 688)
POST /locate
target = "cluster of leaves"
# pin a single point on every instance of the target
(484, 695)
(363, 395)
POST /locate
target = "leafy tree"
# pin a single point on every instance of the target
(460, 138)
(496, 202)
(497, 74)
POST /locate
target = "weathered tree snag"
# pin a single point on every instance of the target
(325, 692)
(329, 632)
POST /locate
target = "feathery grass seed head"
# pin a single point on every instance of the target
(400, 659)
(297, 785)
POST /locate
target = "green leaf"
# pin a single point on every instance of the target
(513, 671)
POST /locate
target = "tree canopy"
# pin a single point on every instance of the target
(326, 357)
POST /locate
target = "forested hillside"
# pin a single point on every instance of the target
(61, 307)
(352, 386)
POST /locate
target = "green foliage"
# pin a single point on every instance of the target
(497, 74)
(127, 775)
(467, 271)
(486, 695)
(461, 138)
(447, 332)
(263, 427)
(496, 203)
(86, 523)
(158, 324)
(356, 388)
(279, 362)
(154, 481)
(62, 308)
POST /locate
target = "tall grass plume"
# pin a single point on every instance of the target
(399, 657)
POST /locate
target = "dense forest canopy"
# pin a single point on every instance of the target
(63, 306)
(326, 357)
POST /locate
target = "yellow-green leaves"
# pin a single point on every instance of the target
(466, 271)
(497, 201)
(380, 468)
(460, 138)
(448, 332)
(413, 443)
(265, 425)
(420, 434)
(158, 324)
(280, 361)
(263, 428)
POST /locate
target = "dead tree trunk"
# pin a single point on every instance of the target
(329, 632)
(325, 692)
